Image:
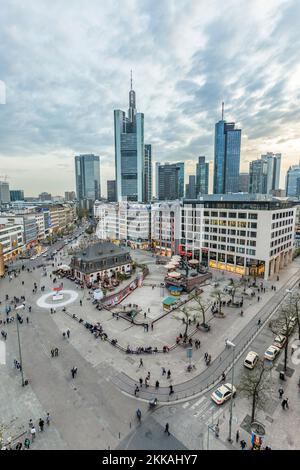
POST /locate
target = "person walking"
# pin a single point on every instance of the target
(163, 371)
(237, 436)
(281, 392)
(287, 403)
(33, 433)
(167, 429)
(141, 363)
(27, 443)
(56, 352)
(169, 374)
(48, 419)
(52, 352)
(68, 334)
(243, 445)
(283, 404)
(73, 372)
(136, 390)
(41, 424)
(171, 390)
(141, 382)
(157, 384)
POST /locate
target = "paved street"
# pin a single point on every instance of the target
(90, 412)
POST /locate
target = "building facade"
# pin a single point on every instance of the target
(226, 158)
(87, 175)
(111, 191)
(4, 192)
(148, 173)
(129, 152)
(244, 183)
(168, 181)
(264, 174)
(16, 195)
(11, 240)
(165, 227)
(202, 176)
(292, 184)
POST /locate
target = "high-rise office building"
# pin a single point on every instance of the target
(167, 181)
(148, 173)
(191, 192)
(227, 156)
(202, 176)
(16, 195)
(244, 183)
(4, 192)
(292, 185)
(264, 174)
(129, 152)
(87, 171)
(70, 196)
(180, 179)
(45, 196)
(111, 191)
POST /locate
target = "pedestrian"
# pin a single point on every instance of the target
(152, 326)
(48, 419)
(157, 384)
(136, 390)
(243, 444)
(52, 352)
(237, 436)
(73, 372)
(30, 424)
(41, 424)
(206, 355)
(169, 374)
(148, 375)
(33, 433)
(27, 443)
(167, 429)
(145, 314)
(80, 303)
(64, 335)
(56, 352)
(287, 403)
(141, 382)
(283, 404)
(141, 363)
(259, 322)
(171, 390)
(27, 319)
(163, 371)
(281, 392)
(68, 334)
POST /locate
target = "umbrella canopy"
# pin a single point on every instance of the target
(64, 267)
(174, 275)
(193, 261)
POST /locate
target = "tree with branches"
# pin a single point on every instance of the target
(218, 296)
(235, 285)
(186, 319)
(201, 306)
(295, 309)
(256, 385)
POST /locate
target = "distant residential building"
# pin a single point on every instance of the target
(165, 227)
(129, 152)
(70, 196)
(292, 187)
(4, 192)
(16, 195)
(244, 179)
(87, 173)
(227, 157)
(168, 181)
(28, 223)
(45, 197)
(148, 173)
(111, 191)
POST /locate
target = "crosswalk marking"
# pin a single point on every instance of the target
(185, 405)
(198, 403)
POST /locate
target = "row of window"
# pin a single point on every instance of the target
(281, 223)
(280, 248)
(230, 248)
(280, 215)
(231, 215)
(281, 232)
(281, 240)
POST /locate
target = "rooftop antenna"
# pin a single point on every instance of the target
(222, 110)
(130, 79)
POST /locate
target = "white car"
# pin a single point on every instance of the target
(33, 257)
(272, 352)
(223, 393)
(251, 360)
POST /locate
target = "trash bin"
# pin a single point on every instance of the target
(282, 375)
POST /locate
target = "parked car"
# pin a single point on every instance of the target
(251, 360)
(223, 393)
(280, 341)
(271, 353)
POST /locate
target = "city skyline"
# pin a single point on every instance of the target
(65, 108)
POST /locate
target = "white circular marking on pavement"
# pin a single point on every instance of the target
(46, 300)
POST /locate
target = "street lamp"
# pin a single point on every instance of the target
(19, 343)
(231, 345)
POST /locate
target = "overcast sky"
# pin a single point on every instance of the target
(66, 67)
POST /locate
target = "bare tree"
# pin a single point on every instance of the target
(218, 295)
(284, 325)
(186, 319)
(256, 386)
(201, 307)
(295, 305)
(234, 284)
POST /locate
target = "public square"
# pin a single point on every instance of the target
(97, 409)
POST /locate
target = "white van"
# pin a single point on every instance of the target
(251, 360)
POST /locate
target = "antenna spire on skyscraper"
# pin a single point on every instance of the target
(222, 110)
(130, 79)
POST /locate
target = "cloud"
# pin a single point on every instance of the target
(66, 67)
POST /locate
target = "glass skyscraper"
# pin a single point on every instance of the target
(293, 181)
(227, 157)
(87, 171)
(264, 173)
(181, 179)
(202, 176)
(168, 181)
(148, 173)
(129, 152)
